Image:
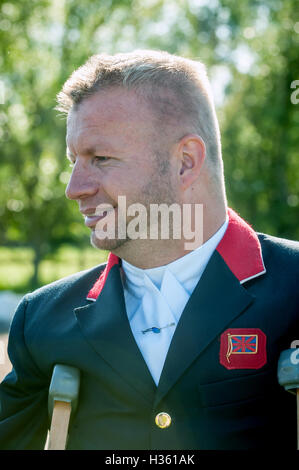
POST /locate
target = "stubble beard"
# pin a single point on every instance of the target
(108, 244)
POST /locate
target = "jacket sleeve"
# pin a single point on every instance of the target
(23, 394)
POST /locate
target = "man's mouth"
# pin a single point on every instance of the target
(92, 218)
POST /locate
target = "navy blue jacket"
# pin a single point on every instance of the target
(219, 382)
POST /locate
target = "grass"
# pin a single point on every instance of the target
(16, 266)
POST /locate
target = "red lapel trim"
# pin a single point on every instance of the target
(99, 284)
(240, 248)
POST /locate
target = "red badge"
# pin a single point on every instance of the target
(243, 348)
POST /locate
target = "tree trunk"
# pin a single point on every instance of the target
(34, 281)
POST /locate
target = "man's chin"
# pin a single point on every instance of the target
(106, 244)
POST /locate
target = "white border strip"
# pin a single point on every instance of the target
(252, 277)
(256, 275)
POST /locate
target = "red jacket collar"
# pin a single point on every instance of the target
(240, 248)
(99, 284)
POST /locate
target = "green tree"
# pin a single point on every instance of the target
(38, 54)
(251, 46)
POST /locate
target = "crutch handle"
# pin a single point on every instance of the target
(288, 376)
(288, 369)
(63, 400)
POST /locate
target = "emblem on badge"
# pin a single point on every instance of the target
(243, 348)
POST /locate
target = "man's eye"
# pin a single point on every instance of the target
(101, 159)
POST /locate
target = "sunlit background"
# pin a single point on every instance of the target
(251, 51)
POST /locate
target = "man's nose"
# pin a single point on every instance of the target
(81, 184)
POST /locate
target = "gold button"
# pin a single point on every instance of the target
(163, 420)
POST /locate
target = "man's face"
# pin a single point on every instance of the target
(112, 142)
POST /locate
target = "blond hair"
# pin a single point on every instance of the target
(177, 88)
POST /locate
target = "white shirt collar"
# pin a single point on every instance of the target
(187, 269)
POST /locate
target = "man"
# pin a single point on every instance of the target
(177, 347)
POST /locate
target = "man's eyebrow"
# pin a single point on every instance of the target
(88, 151)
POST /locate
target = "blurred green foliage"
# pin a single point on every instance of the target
(17, 268)
(251, 52)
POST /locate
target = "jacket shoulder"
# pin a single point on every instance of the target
(280, 254)
(284, 246)
(81, 281)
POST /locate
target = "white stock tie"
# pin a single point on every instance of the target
(158, 309)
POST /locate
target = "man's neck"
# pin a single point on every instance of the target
(146, 254)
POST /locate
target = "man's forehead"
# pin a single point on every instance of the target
(112, 105)
(107, 114)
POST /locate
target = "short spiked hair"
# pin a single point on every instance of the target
(177, 88)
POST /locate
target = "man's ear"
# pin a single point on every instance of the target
(191, 154)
